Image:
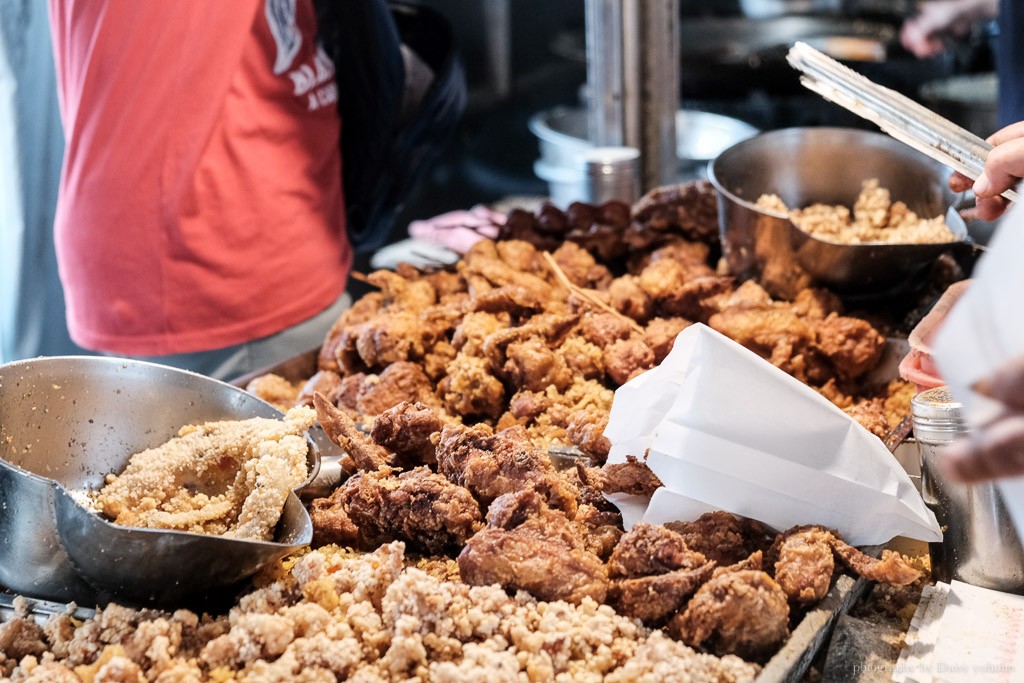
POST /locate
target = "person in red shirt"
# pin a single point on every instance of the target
(200, 219)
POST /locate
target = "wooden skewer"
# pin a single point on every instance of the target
(586, 294)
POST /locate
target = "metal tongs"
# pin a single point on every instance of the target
(894, 113)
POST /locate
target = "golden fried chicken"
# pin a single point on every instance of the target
(492, 464)
(532, 365)
(229, 478)
(528, 546)
(804, 564)
(628, 298)
(604, 329)
(482, 262)
(405, 430)
(633, 477)
(586, 431)
(651, 549)
(339, 335)
(660, 335)
(471, 389)
(583, 358)
(723, 537)
(744, 613)
(436, 360)
(390, 337)
(580, 267)
(511, 299)
(418, 506)
(398, 382)
(852, 346)
(816, 304)
(275, 390)
(696, 299)
(412, 295)
(652, 599)
(627, 358)
(690, 209)
(477, 326)
(870, 413)
(892, 568)
(776, 334)
(341, 429)
(347, 395)
(755, 561)
(521, 255)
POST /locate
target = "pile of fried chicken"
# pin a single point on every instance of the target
(519, 336)
(493, 499)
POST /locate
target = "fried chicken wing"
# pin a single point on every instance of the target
(743, 613)
(418, 506)
(340, 429)
(536, 549)
(491, 465)
(405, 430)
(722, 537)
(652, 549)
(891, 568)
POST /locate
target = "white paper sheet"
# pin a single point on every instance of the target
(727, 430)
(984, 330)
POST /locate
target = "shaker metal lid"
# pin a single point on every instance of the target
(936, 404)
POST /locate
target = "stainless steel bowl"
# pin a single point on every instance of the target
(810, 165)
(65, 423)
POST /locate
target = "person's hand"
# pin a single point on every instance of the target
(996, 449)
(1003, 170)
(922, 34)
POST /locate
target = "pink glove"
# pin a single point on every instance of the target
(917, 367)
(459, 230)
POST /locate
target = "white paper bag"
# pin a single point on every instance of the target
(725, 429)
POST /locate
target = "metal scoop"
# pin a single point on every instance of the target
(67, 422)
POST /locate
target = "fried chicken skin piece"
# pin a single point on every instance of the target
(627, 358)
(853, 346)
(891, 568)
(533, 548)
(804, 564)
(340, 429)
(405, 430)
(722, 537)
(652, 599)
(633, 477)
(586, 432)
(398, 382)
(492, 464)
(418, 506)
(651, 549)
(744, 613)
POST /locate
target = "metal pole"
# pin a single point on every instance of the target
(660, 91)
(604, 72)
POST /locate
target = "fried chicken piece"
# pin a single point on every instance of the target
(398, 382)
(627, 358)
(583, 358)
(390, 337)
(690, 209)
(586, 431)
(470, 389)
(776, 334)
(435, 362)
(816, 304)
(475, 328)
(411, 295)
(660, 335)
(22, 637)
(482, 261)
(892, 568)
(347, 395)
(445, 283)
(804, 564)
(511, 299)
(697, 299)
(604, 329)
(491, 465)
(520, 255)
(601, 530)
(275, 390)
(580, 267)
(419, 507)
(744, 613)
(652, 549)
(528, 405)
(228, 478)
(748, 295)
(405, 430)
(633, 477)
(722, 537)
(870, 413)
(853, 346)
(533, 366)
(327, 382)
(340, 429)
(533, 548)
(652, 599)
(331, 523)
(629, 299)
(755, 561)
(362, 309)
(547, 326)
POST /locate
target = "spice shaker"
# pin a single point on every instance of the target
(611, 173)
(980, 545)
